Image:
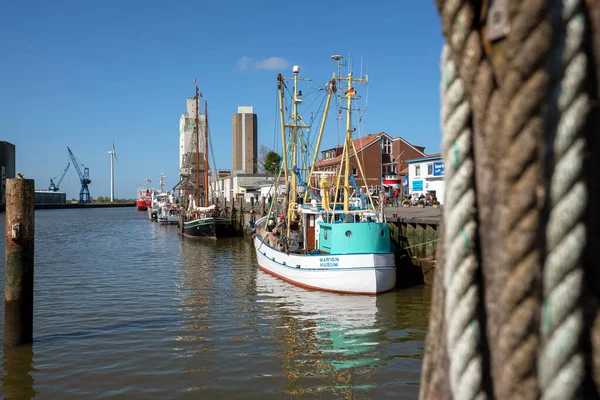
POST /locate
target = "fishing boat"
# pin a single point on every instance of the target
(158, 198)
(326, 243)
(144, 197)
(202, 219)
(168, 214)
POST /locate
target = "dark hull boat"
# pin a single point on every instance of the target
(211, 227)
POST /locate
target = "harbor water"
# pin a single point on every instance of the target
(126, 308)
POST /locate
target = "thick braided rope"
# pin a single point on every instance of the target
(524, 89)
(460, 279)
(561, 362)
(521, 131)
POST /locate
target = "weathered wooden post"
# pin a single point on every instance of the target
(263, 205)
(18, 286)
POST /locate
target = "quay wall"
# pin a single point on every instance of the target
(82, 205)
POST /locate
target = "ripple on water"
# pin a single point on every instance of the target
(126, 308)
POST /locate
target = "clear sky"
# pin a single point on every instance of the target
(84, 73)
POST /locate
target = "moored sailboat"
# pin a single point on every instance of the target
(200, 218)
(326, 244)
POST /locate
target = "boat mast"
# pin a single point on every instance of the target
(348, 145)
(294, 193)
(283, 141)
(332, 90)
(197, 152)
(206, 154)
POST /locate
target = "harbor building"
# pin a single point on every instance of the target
(236, 185)
(187, 146)
(384, 159)
(7, 166)
(245, 140)
(426, 176)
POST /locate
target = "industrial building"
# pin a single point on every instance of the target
(187, 147)
(50, 197)
(7, 166)
(245, 140)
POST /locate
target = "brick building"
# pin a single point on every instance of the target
(380, 155)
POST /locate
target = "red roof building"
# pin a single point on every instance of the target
(380, 155)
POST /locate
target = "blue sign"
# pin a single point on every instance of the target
(438, 168)
(417, 186)
(405, 180)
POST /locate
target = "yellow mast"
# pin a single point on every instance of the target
(348, 144)
(294, 193)
(332, 89)
(296, 98)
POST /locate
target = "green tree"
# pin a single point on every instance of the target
(99, 199)
(272, 162)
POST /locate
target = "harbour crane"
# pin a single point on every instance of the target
(84, 193)
(55, 187)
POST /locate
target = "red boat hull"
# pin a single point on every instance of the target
(144, 200)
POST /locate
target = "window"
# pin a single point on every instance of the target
(429, 169)
(417, 170)
(386, 146)
(353, 171)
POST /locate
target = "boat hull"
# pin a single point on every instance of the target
(209, 227)
(343, 273)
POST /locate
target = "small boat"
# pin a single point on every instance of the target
(168, 214)
(330, 245)
(204, 220)
(158, 199)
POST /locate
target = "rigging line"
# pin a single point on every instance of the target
(212, 153)
(367, 85)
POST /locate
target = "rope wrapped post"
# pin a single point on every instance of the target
(532, 122)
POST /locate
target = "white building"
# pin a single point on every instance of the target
(426, 176)
(240, 184)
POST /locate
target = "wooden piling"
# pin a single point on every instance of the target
(18, 289)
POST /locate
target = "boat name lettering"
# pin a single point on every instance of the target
(329, 261)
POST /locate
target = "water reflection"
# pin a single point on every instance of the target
(330, 338)
(196, 294)
(17, 383)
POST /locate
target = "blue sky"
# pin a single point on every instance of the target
(83, 73)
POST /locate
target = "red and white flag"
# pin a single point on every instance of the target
(194, 81)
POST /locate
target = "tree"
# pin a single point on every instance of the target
(271, 162)
(262, 155)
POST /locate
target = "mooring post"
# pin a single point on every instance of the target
(263, 204)
(18, 286)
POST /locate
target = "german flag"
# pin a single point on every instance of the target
(350, 92)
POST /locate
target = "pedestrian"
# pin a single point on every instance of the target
(396, 197)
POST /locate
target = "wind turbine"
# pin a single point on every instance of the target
(113, 156)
